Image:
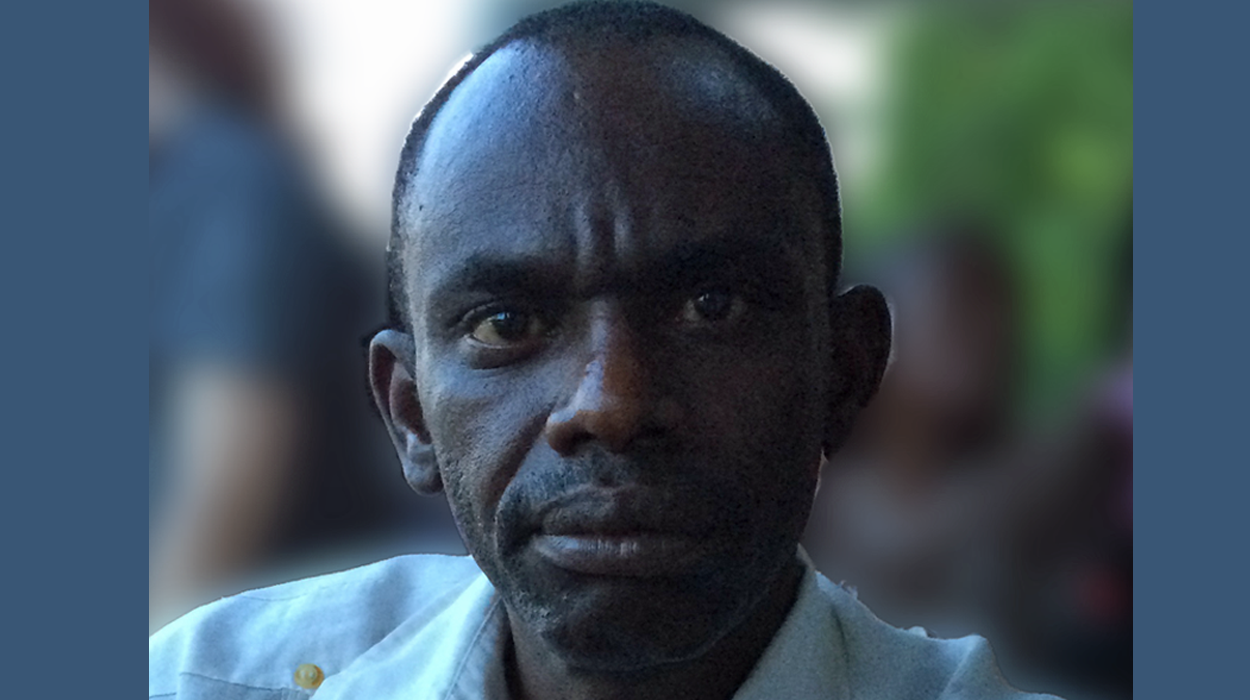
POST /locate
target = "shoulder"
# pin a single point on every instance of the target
(220, 145)
(225, 172)
(254, 641)
(884, 661)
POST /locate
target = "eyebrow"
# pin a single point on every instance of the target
(690, 262)
(498, 274)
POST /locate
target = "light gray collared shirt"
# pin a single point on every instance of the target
(427, 626)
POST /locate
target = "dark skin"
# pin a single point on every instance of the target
(625, 361)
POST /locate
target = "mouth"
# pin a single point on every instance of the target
(637, 555)
(623, 533)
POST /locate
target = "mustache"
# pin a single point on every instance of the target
(609, 494)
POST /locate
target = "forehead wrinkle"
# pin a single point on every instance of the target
(599, 230)
(642, 103)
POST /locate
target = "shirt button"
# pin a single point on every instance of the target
(309, 676)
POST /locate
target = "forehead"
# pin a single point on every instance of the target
(612, 149)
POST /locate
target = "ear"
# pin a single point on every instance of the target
(861, 336)
(395, 393)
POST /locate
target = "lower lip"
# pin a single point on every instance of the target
(637, 555)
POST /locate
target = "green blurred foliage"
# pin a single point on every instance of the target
(1018, 115)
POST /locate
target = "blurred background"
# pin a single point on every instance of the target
(985, 154)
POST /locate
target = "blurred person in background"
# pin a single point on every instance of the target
(1065, 608)
(263, 454)
(899, 506)
(1020, 116)
(947, 512)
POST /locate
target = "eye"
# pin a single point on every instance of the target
(508, 328)
(713, 306)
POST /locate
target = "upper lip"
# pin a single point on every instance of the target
(622, 511)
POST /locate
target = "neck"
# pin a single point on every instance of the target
(535, 670)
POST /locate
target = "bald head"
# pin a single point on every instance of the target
(540, 105)
(635, 79)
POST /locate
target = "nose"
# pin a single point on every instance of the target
(616, 401)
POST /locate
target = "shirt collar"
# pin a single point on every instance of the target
(456, 655)
(807, 657)
(460, 653)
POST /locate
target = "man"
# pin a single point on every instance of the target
(619, 349)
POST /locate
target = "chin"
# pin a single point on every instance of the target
(604, 647)
(635, 627)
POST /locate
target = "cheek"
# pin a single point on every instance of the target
(766, 411)
(764, 390)
(483, 426)
(765, 418)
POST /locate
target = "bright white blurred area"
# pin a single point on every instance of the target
(358, 73)
(837, 56)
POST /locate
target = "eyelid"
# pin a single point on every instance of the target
(739, 305)
(469, 319)
(532, 328)
(482, 354)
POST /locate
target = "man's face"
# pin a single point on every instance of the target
(620, 343)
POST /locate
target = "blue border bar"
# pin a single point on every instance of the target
(73, 299)
(1190, 294)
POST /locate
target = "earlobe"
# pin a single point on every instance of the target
(395, 393)
(862, 334)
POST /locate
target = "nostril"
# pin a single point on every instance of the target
(614, 422)
(615, 402)
(563, 433)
